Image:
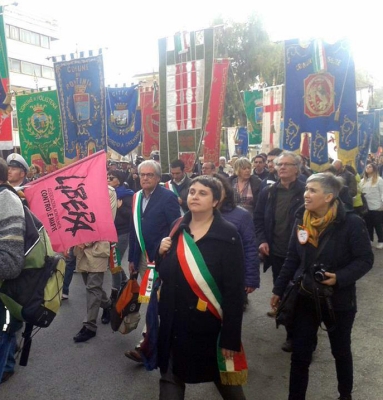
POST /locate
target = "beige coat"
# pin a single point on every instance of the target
(94, 256)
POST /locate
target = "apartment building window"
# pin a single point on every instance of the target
(44, 41)
(47, 72)
(29, 37)
(30, 69)
(23, 35)
(14, 33)
(24, 67)
(15, 65)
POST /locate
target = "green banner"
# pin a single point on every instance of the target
(4, 73)
(41, 139)
(254, 108)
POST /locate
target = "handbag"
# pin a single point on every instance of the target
(364, 207)
(286, 308)
(124, 315)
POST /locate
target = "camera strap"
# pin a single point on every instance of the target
(326, 290)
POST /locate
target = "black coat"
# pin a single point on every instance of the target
(347, 253)
(264, 215)
(191, 335)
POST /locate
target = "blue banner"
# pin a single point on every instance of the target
(81, 92)
(320, 97)
(365, 131)
(242, 142)
(378, 131)
(124, 119)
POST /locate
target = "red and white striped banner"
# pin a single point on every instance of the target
(185, 93)
(150, 122)
(272, 114)
(212, 140)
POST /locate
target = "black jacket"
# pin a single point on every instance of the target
(347, 253)
(264, 215)
(191, 334)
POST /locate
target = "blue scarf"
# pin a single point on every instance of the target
(122, 191)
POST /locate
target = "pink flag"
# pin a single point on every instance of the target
(73, 203)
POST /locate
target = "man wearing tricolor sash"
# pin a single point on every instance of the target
(154, 210)
(179, 184)
(201, 300)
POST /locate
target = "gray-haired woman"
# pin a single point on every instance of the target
(330, 248)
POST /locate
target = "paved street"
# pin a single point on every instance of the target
(59, 369)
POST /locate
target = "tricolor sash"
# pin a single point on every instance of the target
(232, 371)
(172, 187)
(114, 259)
(151, 274)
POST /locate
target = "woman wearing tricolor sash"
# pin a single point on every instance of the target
(201, 302)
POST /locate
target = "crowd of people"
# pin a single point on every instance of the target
(207, 234)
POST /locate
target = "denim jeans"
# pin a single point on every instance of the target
(11, 361)
(7, 342)
(70, 266)
(305, 329)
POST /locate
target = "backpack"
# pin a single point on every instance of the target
(34, 296)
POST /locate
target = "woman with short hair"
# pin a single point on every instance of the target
(330, 249)
(201, 267)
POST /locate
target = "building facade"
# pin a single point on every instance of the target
(29, 45)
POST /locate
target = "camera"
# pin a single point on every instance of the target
(138, 160)
(319, 272)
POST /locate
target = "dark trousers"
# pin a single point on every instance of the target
(174, 389)
(305, 329)
(276, 265)
(70, 266)
(373, 221)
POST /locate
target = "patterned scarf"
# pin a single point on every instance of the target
(315, 226)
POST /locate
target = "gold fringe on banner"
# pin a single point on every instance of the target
(234, 378)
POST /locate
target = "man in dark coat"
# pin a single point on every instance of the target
(181, 182)
(158, 209)
(348, 177)
(259, 164)
(274, 217)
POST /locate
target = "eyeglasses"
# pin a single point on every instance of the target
(286, 164)
(150, 175)
(110, 178)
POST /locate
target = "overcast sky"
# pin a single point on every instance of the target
(130, 29)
